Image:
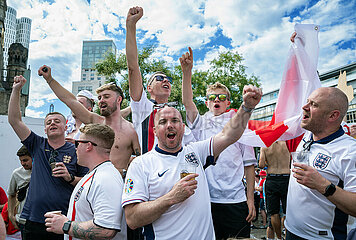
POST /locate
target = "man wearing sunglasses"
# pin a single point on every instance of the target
(158, 86)
(225, 179)
(94, 207)
(314, 189)
(155, 193)
(49, 189)
(110, 98)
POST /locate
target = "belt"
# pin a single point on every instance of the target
(278, 175)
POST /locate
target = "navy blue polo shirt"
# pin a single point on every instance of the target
(47, 193)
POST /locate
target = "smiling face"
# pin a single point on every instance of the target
(55, 125)
(108, 102)
(216, 106)
(169, 129)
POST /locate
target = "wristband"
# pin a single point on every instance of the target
(246, 109)
(49, 82)
(329, 190)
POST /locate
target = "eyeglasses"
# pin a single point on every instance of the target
(162, 105)
(212, 97)
(161, 78)
(76, 142)
(52, 157)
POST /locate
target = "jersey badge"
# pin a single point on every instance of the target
(321, 161)
(77, 195)
(67, 159)
(192, 158)
(129, 185)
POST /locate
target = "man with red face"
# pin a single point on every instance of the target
(110, 98)
(314, 192)
(50, 189)
(158, 197)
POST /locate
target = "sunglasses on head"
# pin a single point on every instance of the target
(162, 105)
(76, 142)
(212, 97)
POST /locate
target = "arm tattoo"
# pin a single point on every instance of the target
(90, 232)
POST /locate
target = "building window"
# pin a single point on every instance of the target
(89, 88)
(81, 88)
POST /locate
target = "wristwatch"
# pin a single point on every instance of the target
(329, 190)
(246, 109)
(72, 178)
(66, 226)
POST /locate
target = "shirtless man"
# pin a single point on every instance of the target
(277, 158)
(110, 98)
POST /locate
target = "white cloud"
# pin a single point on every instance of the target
(33, 113)
(259, 30)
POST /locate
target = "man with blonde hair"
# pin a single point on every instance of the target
(94, 208)
(231, 210)
(110, 98)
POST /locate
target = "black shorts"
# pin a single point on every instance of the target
(230, 220)
(276, 188)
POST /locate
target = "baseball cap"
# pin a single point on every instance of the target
(87, 94)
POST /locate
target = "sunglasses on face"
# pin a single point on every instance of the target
(212, 97)
(161, 78)
(76, 142)
(52, 157)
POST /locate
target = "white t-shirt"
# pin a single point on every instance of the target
(309, 213)
(20, 178)
(141, 112)
(99, 199)
(153, 175)
(225, 178)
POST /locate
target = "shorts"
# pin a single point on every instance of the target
(262, 204)
(276, 188)
(230, 220)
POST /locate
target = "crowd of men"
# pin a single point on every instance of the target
(86, 186)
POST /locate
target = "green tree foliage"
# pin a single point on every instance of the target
(227, 69)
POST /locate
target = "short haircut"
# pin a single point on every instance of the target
(150, 80)
(90, 102)
(113, 87)
(55, 113)
(338, 100)
(23, 151)
(216, 86)
(103, 134)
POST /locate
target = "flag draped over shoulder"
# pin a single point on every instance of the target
(300, 79)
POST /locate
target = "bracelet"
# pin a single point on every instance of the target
(50, 81)
(72, 178)
(246, 109)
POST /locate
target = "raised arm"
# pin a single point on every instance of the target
(233, 130)
(141, 214)
(14, 112)
(125, 112)
(68, 98)
(82, 230)
(186, 63)
(135, 78)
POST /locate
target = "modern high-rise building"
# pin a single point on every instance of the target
(17, 30)
(92, 53)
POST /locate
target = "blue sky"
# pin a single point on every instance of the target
(259, 30)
